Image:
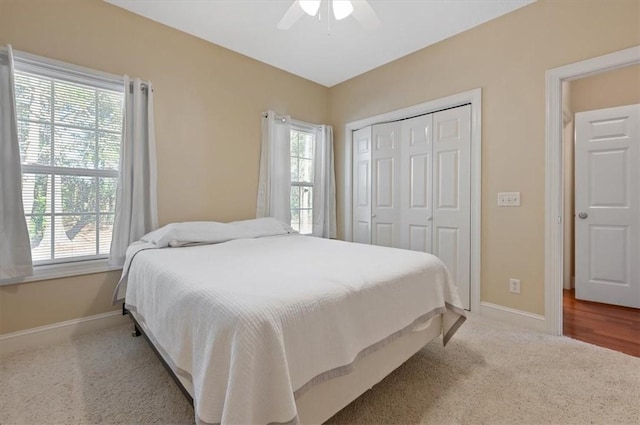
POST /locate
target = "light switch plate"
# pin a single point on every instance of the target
(514, 286)
(509, 199)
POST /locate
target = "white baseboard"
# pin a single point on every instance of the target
(58, 332)
(513, 316)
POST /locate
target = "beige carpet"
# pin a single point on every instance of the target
(490, 373)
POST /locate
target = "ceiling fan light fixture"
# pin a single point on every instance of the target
(310, 7)
(342, 9)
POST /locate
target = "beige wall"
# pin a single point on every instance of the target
(507, 58)
(614, 88)
(208, 102)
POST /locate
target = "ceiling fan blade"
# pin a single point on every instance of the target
(364, 13)
(291, 16)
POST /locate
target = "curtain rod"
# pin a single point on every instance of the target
(276, 117)
(283, 118)
(143, 86)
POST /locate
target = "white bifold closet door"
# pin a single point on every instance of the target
(452, 194)
(361, 142)
(416, 214)
(412, 188)
(386, 184)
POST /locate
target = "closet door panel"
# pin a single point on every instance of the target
(448, 243)
(448, 178)
(452, 196)
(419, 238)
(385, 217)
(416, 188)
(385, 182)
(383, 233)
(362, 187)
(419, 169)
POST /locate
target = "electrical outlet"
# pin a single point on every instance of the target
(514, 286)
(509, 199)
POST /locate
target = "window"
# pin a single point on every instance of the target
(302, 180)
(69, 132)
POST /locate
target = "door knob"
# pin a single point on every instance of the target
(583, 215)
(373, 216)
(429, 218)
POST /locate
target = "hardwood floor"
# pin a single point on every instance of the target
(610, 326)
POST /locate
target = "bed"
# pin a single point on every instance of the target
(260, 325)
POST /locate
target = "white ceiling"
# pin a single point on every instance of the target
(308, 49)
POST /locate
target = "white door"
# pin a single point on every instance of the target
(385, 178)
(607, 202)
(452, 194)
(417, 183)
(362, 185)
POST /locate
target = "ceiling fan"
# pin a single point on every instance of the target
(361, 10)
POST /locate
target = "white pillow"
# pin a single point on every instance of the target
(209, 232)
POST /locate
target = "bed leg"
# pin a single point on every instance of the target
(135, 332)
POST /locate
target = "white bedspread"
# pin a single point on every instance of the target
(255, 322)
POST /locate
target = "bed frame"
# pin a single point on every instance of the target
(325, 399)
(137, 331)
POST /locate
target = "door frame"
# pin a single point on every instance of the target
(554, 188)
(473, 97)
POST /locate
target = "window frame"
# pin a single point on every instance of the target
(310, 130)
(98, 80)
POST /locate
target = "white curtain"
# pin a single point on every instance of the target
(15, 246)
(274, 185)
(324, 184)
(136, 199)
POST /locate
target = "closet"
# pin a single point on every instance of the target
(412, 187)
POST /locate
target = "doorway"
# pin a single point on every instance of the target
(555, 222)
(594, 290)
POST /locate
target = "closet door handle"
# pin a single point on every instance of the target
(429, 218)
(373, 216)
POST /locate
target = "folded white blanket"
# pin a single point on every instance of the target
(198, 233)
(206, 232)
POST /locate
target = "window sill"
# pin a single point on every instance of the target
(56, 271)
